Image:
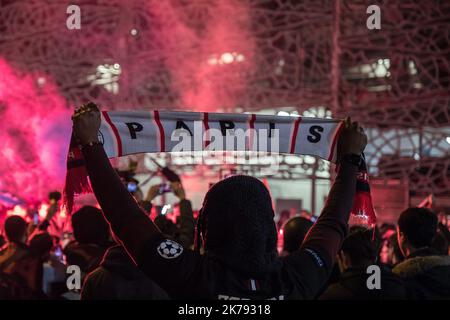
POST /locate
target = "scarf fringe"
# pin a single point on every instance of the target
(77, 181)
(362, 201)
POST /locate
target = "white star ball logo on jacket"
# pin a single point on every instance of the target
(169, 249)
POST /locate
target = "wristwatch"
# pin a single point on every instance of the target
(355, 159)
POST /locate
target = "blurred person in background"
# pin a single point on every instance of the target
(92, 239)
(283, 218)
(425, 271)
(359, 251)
(294, 232)
(440, 243)
(2, 241)
(54, 271)
(395, 255)
(118, 277)
(20, 269)
(443, 233)
(183, 230)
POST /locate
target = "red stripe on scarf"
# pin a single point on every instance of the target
(115, 131)
(335, 140)
(206, 125)
(294, 134)
(162, 139)
(251, 125)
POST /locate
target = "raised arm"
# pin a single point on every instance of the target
(324, 240)
(326, 236)
(128, 222)
(187, 225)
(331, 228)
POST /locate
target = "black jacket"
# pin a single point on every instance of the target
(352, 285)
(426, 274)
(183, 273)
(117, 278)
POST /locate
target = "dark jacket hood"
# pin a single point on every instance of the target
(118, 278)
(117, 260)
(238, 226)
(428, 275)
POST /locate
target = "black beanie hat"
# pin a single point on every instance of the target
(238, 227)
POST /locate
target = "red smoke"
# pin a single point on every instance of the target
(207, 60)
(34, 134)
(208, 68)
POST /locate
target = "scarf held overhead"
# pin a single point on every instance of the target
(129, 132)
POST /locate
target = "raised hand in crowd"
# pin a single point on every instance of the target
(352, 139)
(178, 190)
(152, 192)
(86, 123)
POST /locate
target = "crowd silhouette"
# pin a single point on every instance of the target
(228, 250)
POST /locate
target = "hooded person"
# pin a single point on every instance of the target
(237, 225)
(236, 228)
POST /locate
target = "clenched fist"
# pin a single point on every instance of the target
(352, 139)
(86, 123)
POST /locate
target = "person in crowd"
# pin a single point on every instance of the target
(53, 197)
(119, 278)
(426, 273)
(284, 217)
(236, 229)
(294, 232)
(21, 271)
(92, 238)
(183, 231)
(307, 215)
(2, 241)
(440, 243)
(166, 226)
(54, 271)
(443, 235)
(359, 251)
(395, 255)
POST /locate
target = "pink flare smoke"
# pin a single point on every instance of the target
(204, 79)
(34, 134)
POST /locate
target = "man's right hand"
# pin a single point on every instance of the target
(86, 123)
(352, 139)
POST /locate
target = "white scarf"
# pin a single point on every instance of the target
(129, 132)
